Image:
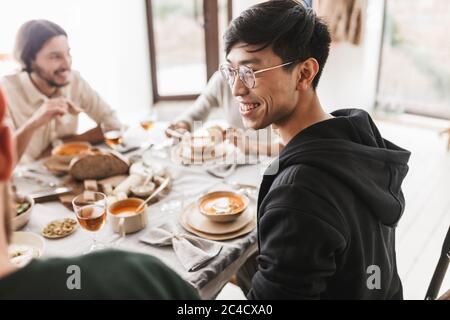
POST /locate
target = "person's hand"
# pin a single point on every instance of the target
(446, 296)
(73, 109)
(48, 110)
(178, 129)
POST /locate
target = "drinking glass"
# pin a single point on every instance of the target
(149, 121)
(91, 215)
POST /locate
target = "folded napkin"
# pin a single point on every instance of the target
(193, 252)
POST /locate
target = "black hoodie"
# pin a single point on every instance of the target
(327, 212)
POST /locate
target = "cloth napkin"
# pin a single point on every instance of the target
(192, 252)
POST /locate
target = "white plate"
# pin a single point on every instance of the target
(229, 155)
(29, 244)
(192, 216)
(219, 237)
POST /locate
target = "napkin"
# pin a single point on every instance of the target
(192, 252)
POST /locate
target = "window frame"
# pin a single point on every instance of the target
(407, 109)
(211, 30)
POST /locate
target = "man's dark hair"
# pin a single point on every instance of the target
(292, 30)
(30, 39)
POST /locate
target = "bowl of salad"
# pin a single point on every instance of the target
(22, 207)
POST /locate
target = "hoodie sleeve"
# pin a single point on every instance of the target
(297, 251)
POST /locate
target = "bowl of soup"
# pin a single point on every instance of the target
(125, 218)
(223, 206)
(67, 151)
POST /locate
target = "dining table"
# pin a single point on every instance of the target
(189, 182)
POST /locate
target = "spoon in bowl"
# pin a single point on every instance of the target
(154, 194)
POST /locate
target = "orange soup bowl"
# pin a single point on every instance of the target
(125, 219)
(223, 206)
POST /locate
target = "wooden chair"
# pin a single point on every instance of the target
(441, 270)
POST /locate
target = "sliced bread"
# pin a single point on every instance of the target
(98, 164)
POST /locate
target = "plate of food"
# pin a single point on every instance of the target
(24, 247)
(23, 206)
(59, 162)
(196, 220)
(223, 206)
(221, 231)
(151, 177)
(60, 228)
(67, 151)
(200, 155)
(205, 146)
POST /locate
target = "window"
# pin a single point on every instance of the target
(415, 64)
(184, 44)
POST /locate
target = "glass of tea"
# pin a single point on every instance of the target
(149, 121)
(113, 138)
(91, 214)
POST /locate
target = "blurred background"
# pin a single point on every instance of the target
(389, 57)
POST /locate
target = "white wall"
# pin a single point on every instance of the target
(115, 55)
(350, 76)
(241, 5)
(109, 44)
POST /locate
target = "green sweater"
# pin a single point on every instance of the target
(102, 275)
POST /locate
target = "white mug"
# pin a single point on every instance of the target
(125, 219)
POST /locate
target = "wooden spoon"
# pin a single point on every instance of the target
(154, 194)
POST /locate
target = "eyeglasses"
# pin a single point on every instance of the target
(246, 74)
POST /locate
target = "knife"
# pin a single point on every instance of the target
(129, 149)
(50, 195)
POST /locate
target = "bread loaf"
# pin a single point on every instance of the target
(98, 164)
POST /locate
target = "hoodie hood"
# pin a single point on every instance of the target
(351, 148)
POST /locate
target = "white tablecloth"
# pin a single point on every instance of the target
(188, 184)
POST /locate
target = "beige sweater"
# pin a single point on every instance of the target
(217, 94)
(24, 99)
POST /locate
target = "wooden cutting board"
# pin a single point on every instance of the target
(78, 187)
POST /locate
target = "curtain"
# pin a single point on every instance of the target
(345, 18)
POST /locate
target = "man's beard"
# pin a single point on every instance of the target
(50, 82)
(7, 210)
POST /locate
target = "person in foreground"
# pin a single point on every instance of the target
(328, 208)
(103, 275)
(45, 98)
